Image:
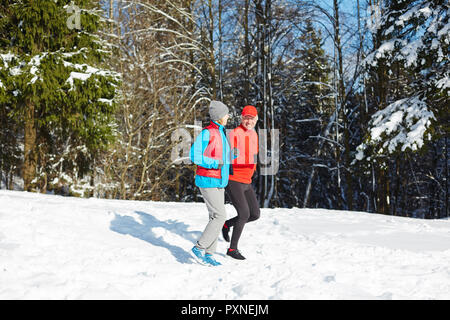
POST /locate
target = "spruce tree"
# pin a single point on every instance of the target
(54, 80)
(408, 93)
(414, 37)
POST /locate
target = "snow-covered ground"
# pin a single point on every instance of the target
(54, 247)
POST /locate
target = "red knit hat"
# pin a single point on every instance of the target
(249, 111)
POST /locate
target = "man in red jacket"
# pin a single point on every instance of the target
(244, 143)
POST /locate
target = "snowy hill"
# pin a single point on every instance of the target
(53, 247)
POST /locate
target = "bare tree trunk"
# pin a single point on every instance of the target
(246, 54)
(220, 51)
(342, 107)
(260, 94)
(1, 173)
(10, 182)
(29, 165)
(317, 154)
(337, 108)
(446, 178)
(269, 98)
(382, 192)
(111, 12)
(212, 64)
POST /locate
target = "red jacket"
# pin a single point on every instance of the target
(245, 142)
(213, 150)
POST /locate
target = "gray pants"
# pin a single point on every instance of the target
(215, 202)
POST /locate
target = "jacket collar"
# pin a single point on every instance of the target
(219, 126)
(245, 129)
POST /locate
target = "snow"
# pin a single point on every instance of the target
(410, 52)
(54, 247)
(433, 26)
(402, 124)
(7, 57)
(77, 75)
(107, 101)
(16, 71)
(87, 72)
(443, 83)
(35, 62)
(382, 52)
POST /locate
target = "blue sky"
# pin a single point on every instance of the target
(348, 20)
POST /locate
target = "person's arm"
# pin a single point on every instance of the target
(197, 150)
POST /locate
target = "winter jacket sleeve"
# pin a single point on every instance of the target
(197, 152)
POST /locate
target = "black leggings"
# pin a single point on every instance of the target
(244, 200)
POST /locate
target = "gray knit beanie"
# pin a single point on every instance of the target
(217, 110)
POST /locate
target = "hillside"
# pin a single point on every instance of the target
(53, 247)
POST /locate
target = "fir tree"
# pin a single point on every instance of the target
(414, 37)
(408, 93)
(53, 76)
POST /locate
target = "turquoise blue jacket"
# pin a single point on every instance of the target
(197, 156)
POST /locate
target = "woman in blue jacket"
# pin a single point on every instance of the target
(211, 153)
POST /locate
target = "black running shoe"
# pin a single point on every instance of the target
(234, 253)
(225, 231)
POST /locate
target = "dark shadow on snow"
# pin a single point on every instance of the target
(143, 231)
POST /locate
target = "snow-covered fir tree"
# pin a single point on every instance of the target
(416, 35)
(407, 77)
(55, 81)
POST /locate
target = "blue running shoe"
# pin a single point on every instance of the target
(198, 255)
(210, 260)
